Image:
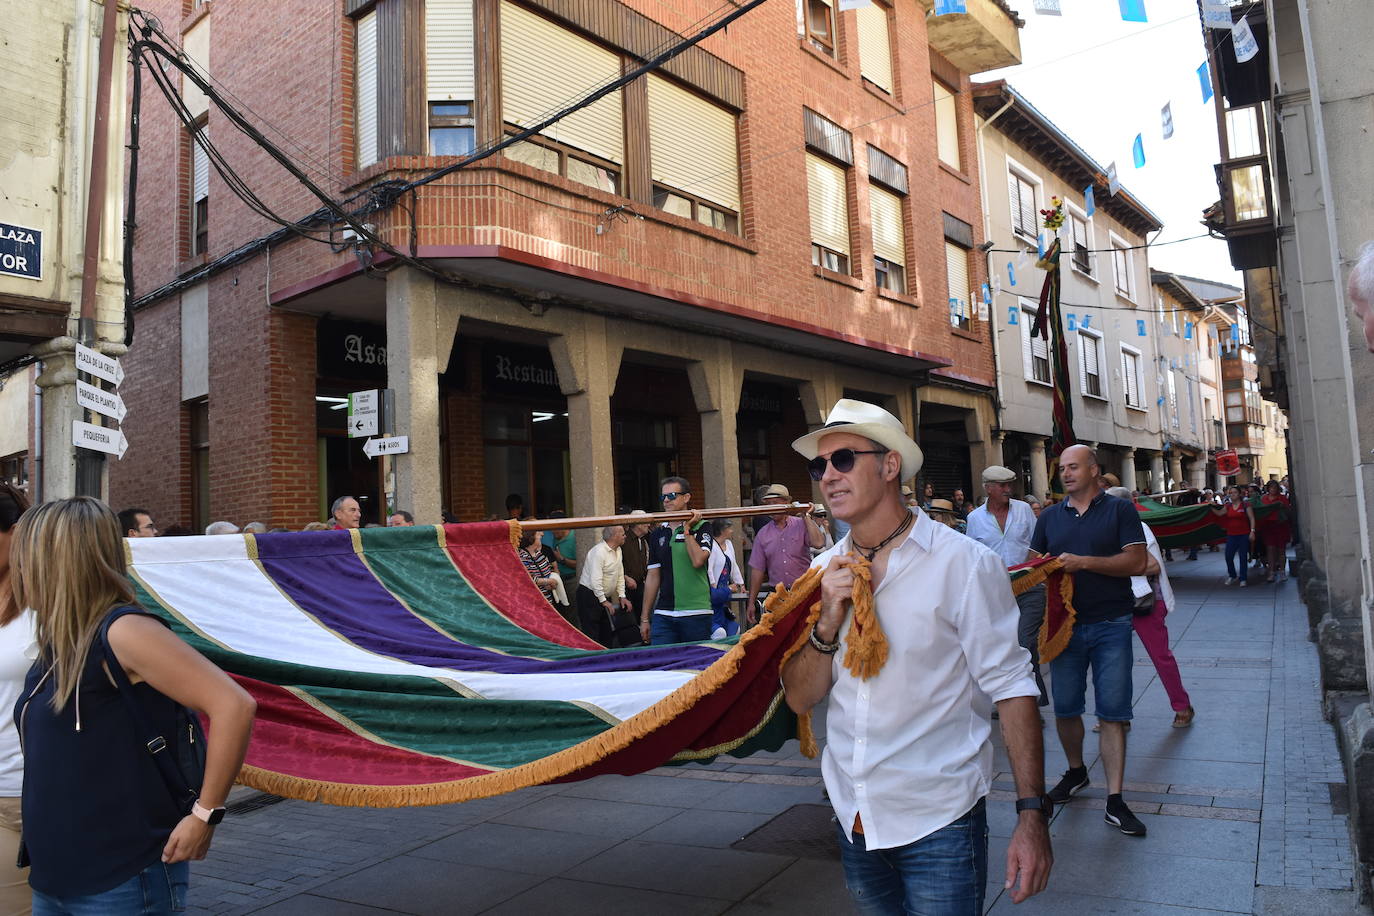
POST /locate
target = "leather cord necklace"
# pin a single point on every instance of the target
(869, 553)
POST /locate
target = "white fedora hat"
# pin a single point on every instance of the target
(871, 422)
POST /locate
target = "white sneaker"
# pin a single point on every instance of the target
(1231, 581)
(718, 633)
(1242, 583)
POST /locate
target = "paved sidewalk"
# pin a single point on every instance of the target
(1239, 809)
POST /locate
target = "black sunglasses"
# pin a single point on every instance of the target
(841, 458)
(667, 496)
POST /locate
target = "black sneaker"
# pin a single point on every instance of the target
(1070, 784)
(1120, 817)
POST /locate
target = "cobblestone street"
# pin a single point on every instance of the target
(1239, 809)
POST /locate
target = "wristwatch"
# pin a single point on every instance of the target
(1041, 803)
(211, 816)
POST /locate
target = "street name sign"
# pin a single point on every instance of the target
(106, 403)
(21, 251)
(363, 410)
(99, 365)
(107, 439)
(392, 445)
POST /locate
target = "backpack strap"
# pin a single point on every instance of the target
(156, 744)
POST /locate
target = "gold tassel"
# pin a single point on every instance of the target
(515, 532)
(866, 648)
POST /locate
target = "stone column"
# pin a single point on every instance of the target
(1128, 468)
(420, 327)
(588, 363)
(716, 385)
(1176, 470)
(58, 384)
(1157, 480)
(1040, 472)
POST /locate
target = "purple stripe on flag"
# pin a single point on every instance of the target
(335, 586)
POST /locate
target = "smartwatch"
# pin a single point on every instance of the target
(213, 816)
(1041, 803)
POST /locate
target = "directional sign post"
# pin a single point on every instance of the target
(99, 365)
(392, 445)
(105, 403)
(107, 439)
(364, 408)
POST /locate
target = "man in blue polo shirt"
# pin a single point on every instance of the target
(1100, 541)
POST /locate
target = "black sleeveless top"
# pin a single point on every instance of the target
(96, 811)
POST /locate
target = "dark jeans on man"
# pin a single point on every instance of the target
(594, 619)
(665, 630)
(943, 874)
(1032, 605)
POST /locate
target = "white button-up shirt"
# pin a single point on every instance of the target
(1012, 543)
(910, 749)
(604, 573)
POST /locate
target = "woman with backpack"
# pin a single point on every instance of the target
(109, 825)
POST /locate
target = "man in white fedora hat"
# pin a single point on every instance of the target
(908, 756)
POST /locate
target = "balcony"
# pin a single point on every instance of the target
(984, 38)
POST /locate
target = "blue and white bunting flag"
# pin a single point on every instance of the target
(1089, 203)
(1204, 77)
(1013, 315)
(1133, 10)
(1073, 321)
(1048, 8)
(1011, 273)
(1216, 14)
(1138, 151)
(1113, 182)
(1166, 117)
(1140, 327)
(945, 7)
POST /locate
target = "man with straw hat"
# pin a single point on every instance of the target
(908, 757)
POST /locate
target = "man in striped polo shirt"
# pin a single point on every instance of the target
(677, 593)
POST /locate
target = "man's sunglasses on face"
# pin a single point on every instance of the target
(673, 495)
(841, 458)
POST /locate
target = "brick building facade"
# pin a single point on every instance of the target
(612, 308)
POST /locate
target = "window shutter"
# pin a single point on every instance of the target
(1040, 347)
(196, 44)
(1014, 196)
(947, 130)
(889, 236)
(1027, 346)
(543, 67)
(1130, 377)
(1030, 218)
(956, 270)
(875, 49)
(692, 144)
(1090, 361)
(365, 72)
(829, 199)
(1084, 344)
(448, 50)
(200, 168)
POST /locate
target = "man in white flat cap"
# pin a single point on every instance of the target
(908, 756)
(1006, 525)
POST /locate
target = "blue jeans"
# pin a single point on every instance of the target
(1106, 648)
(943, 874)
(664, 629)
(1237, 544)
(155, 890)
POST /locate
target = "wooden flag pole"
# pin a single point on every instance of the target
(602, 521)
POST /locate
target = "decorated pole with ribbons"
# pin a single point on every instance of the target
(1049, 324)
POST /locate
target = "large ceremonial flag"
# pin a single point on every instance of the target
(418, 666)
(1189, 526)
(1049, 324)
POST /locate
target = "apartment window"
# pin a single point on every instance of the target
(199, 428)
(1035, 350)
(1025, 219)
(1082, 241)
(1090, 365)
(830, 150)
(829, 206)
(820, 25)
(956, 274)
(449, 83)
(1173, 401)
(452, 129)
(875, 46)
(1123, 269)
(1131, 378)
(947, 134)
(365, 89)
(200, 192)
(542, 66)
(888, 186)
(693, 155)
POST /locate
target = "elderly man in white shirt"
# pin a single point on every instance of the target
(601, 589)
(1006, 525)
(908, 757)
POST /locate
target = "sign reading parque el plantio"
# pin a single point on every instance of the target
(107, 439)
